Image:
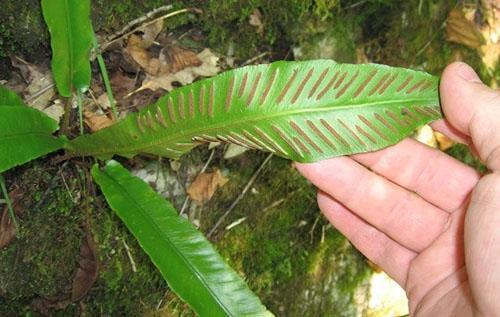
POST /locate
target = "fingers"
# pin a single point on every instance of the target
(400, 214)
(393, 258)
(482, 244)
(473, 109)
(435, 176)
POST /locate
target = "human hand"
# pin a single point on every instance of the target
(429, 221)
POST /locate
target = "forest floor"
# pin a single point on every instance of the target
(73, 256)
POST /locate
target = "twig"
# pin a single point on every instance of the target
(242, 194)
(40, 92)
(354, 5)
(129, 255)
(139, 20)
(186, 200)
(255, 58)
(165, 16)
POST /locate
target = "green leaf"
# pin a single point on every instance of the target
(191, 266)
(71, 40)
(25, 134)
(305, 111)
(9, 98)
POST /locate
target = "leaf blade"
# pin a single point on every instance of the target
(305, 111)
(9, 98)
(192, 267)
(25, 134)
(71, 40)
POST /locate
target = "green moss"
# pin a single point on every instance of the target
(285, 249)
(42, 259)
(462, 153)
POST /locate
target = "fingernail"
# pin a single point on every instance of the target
(467, 73)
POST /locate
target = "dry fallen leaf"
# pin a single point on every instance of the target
(205, 185)
(151, 32)
(185, 76)
(256, 20)
(178, 58)
(137, 49)
(426, 135)
(461, 30)
(96, 120)
(86, 274)
(7, 228)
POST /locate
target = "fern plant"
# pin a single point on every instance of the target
(304, 111)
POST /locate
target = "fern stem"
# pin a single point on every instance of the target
(105, 78)
(8, 201)
(79, 102)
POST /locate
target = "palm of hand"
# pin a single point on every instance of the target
(428, 220)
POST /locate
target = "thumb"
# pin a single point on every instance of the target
(473, 109)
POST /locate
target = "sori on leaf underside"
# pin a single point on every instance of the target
(304, 111)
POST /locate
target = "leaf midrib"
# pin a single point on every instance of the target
(168, 240)
(70, 44)
(172, 137)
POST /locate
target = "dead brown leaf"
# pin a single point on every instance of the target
(7, 228)
(256, 20)
(86, 274)
(137, 49)
(461, 30)
(205, 185)
(178, 58)
(96, 121)
(185, 76)
(151, 32)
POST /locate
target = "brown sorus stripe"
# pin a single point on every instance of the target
(341, 80)
(365, 83)
(235, 141)
(268, 86)
(352, 132)
(328, 86)
(244, 140)
(140, 124)
(222, 138)
(181, 106)
(209, 138)
(320, 134)
(253, 89)
(372, 126)
(171, 113)
(305, 136)
(395, 117)
(317, 83)
(191, 103)
(287, 86)
(387, 84)
(409, 113)
(287, 140)
(243, 85)
(257, 141)
(424, 111)
(229, 94)
(347, 85)
(416, 86)
(211, 93)
(366, 134)
(426, 86)
(385, 122)
(436, 111)
(301, 145)
(334, 132)
(150, 120)
(160, 117)
(201, 103)
(379, 84)
(271, 142)
(302, 85)
(405, 83)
